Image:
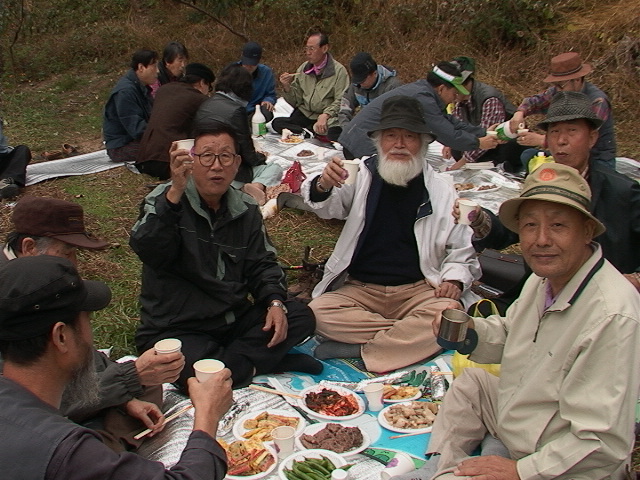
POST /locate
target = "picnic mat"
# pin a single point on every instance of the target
(85, 164)
(168, 445)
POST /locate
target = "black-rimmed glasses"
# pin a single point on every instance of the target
(207, 159)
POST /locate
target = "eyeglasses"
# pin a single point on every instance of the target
(207, 159)
(310, 49)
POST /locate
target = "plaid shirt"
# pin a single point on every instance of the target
(492, 112)
(540, 102)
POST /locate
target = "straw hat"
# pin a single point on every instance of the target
(556, 183)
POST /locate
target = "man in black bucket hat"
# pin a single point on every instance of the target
(399, 257)
(571, 131)
(564, 404)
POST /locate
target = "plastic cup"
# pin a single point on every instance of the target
(206, 368)
(284, 440)
(468, 211)
(352, 167)
(373, 392)
(186, 144)
(168, 345)
(398, 465)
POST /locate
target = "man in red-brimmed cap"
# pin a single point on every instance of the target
(49, 226)
(567, 74)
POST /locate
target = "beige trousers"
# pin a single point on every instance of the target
(393, 324)
(467, 414)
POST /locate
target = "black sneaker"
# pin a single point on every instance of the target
(8, 189)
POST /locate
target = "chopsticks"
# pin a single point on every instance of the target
(275, 392)
(392, 437)
(146, 432)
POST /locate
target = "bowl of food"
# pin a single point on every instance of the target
(258, 425)
(331, 403)
(408, 417)
(400, 393)
(249, 459)
(321, 462)
(343, 439)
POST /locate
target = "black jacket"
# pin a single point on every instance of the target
(615, 201)
(198, 268)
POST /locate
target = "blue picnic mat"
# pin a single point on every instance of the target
(353, 370)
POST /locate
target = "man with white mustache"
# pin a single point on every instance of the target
(399, 257)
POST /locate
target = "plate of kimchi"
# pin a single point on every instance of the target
(331, 403)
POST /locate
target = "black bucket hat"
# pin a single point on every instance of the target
(403, 112)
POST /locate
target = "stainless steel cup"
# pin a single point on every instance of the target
(453, 329)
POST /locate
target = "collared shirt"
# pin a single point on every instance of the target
(317, 69)
(492, 112)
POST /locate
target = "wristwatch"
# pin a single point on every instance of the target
(279, 304)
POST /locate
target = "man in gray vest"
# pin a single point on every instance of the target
(47, 345)
(484, 107)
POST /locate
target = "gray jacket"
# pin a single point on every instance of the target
(448, 130)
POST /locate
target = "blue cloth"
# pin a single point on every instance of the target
(342, 371)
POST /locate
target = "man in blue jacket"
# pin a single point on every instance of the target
(264, 82)
(129, 107)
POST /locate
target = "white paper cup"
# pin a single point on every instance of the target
(207, 367)
(467, 211)
(168, 345)
(522, 130)
(352, 167)
(284, 440)
(186, 144)
(492, 133)
(373, 392)
(398, 465)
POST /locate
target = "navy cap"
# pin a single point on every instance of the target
(251, 54)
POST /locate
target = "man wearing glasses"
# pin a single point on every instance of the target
(210, 276)
(567, 75)
(314, 91)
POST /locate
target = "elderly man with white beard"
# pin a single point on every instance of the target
(400, 256)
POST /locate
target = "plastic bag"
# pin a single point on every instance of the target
(294, 177)
(459, 362)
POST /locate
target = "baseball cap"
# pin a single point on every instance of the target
(59, 219)
(251, 54)
(36, 292)
(362, 64)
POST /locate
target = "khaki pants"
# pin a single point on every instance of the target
(467, 414)
(393, 324)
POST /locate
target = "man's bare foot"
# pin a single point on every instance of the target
(257, 191)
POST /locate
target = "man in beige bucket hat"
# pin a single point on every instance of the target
(565, 401)
(567, 74)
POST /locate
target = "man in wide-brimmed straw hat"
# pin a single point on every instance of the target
(563, 406)
(567, 74)
(399, 256)
(571, 130)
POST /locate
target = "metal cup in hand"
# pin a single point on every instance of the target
(454, 333)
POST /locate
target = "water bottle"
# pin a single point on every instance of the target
(258, 123)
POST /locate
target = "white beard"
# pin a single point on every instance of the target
(399, 172)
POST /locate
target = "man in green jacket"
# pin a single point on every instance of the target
(315, 91)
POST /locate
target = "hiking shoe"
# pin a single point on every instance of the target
(8, 189)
